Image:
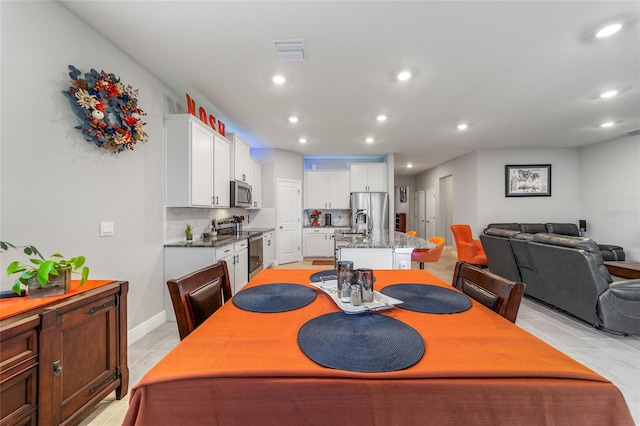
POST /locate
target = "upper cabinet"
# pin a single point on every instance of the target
(221, 172)
(242, 167)
(326, 189)
(195, 177)
(368, 177)
(256, 184)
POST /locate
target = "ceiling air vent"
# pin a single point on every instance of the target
(290, 49)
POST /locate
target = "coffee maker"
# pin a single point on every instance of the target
(327, 219)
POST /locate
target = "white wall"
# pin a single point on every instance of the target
(562, 206)
(610, 188)
(55, 187)
(465, 191)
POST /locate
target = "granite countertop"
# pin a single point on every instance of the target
(327, 227)
(220, 241)
(381, 239)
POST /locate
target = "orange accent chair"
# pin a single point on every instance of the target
(469, 250)
(422, 255)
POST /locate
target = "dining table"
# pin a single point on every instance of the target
(245, 367)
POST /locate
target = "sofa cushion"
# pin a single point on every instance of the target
(580, 243)
(501, 232)
(510, 226)
(563, 229)
(533, 228)
(525, 236)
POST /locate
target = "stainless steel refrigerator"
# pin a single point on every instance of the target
(369, 211)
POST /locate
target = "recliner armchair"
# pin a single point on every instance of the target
(469, 250)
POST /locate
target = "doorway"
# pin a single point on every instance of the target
(445, 208)
(289, 224)
(431, 213)
(420, 213)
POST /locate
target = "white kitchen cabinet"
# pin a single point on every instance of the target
(221, 172)
(242, 168)
(368, 177)
(326, 189)
(189, 162)
(237, 257)
(318, 242)
(268, 249)
(256, 192)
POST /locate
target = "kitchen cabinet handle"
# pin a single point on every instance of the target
(217, 200)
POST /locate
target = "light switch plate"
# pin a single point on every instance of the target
(106, 229)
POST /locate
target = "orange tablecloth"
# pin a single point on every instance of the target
(242, 368)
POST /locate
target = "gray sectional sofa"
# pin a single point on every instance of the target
(566, 272)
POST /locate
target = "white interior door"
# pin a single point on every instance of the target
(431, 213)
(421, 216)
(289, 226)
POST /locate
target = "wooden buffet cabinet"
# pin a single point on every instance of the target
(59, 359)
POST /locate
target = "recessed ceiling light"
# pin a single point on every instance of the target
(409, 165)
(369, 140)
(278, 79)
(608, 94)
(462, 126)
(607, 124)
(381, 117)
(608, 30)
(404, 75)
(293, 119)
(302, 140)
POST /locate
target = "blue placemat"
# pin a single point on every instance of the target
(272, 298)
(427, 298)
(369, 343)
(329, 274)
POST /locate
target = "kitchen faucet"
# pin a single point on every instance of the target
(362, 213)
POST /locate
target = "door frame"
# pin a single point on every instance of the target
(297, 208)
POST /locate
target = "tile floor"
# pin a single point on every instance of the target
(615, 357)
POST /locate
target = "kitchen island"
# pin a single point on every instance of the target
(378, 250)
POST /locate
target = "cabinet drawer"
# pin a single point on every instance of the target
(223, 252)
(18, 402)
(241, 245)
(19, 343)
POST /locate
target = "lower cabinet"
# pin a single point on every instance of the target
(268, 249)
(57, 361)
(237, 257)
(318, 242)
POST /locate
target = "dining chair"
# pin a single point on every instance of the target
(198, 295)
(495, 292)
(469, 250)
(422, 255)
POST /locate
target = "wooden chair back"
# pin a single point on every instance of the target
(198, 295)
(495, 292)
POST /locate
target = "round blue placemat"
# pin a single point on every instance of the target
(369, 343)
(427, 298)
(272, 298)
(329, 274)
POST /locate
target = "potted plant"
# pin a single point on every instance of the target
(45, 277)
(188, 232)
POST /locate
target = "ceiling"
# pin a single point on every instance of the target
(523, 74)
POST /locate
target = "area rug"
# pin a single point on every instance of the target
(322, 262)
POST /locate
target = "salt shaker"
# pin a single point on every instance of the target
(356, 295)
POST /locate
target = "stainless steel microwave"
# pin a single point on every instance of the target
(240, 194)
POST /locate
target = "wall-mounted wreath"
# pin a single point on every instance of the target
(107, 109)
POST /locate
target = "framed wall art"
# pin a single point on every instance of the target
(527, 180)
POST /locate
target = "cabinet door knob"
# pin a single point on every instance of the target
(57, 368)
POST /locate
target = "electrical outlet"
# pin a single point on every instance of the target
(403, 264)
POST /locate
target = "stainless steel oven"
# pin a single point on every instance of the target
(256, 258)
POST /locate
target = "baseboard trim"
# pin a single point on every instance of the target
(138, 332)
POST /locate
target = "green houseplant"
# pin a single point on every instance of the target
(42, 272)
(188, 232)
